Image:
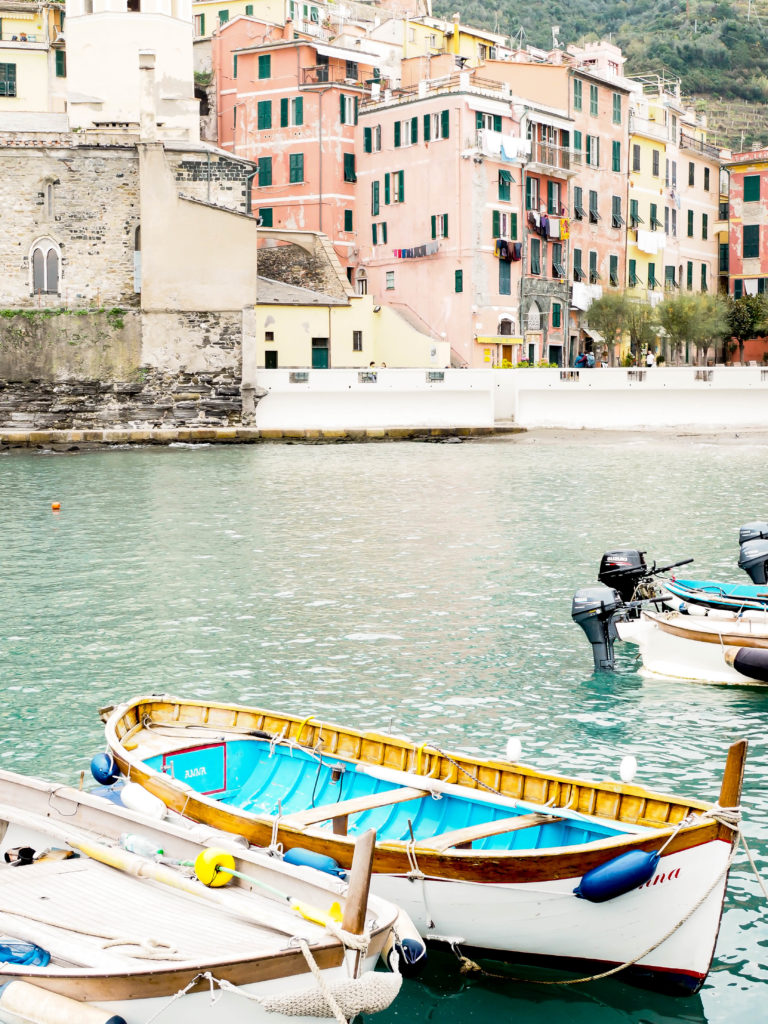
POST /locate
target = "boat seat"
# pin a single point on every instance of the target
(340, 812)
(463, 837)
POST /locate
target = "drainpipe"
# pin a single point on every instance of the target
(320, 95)
(248, 188)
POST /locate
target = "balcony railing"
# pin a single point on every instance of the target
(328, 74)
(555, 156)
(688, 142)
(648, 126)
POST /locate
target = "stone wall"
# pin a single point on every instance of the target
(292, 264)
(212, 178)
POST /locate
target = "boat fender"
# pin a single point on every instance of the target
(405, 950)
(751, 662)
(136, 798)
(213, 867)
(104, 770)
(310, 859)
(615, 877)
(29, 1003)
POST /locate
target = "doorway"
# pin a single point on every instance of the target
(319, 353)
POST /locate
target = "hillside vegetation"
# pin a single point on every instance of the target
(718, 50)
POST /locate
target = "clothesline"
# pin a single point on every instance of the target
(416, 252)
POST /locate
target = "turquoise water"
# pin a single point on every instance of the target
(423, 588)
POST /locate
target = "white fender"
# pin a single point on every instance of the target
(139, 799)
(22, 1003)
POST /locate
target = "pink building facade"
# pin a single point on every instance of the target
(748, 215)
(291, 105)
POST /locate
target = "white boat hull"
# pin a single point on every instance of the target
(546, 920)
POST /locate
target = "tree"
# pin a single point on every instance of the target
(747, 318)
(710, 323)
(607, 315)
(677, 315)
(641, 324)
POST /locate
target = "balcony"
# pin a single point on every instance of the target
(328, 74)
(647, 126)
(687, 142)
(556, 161)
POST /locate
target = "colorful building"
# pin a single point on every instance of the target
(33, 63)
(748, 239)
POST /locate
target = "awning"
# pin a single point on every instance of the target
(341, 53)
(505, 178)
(594, 335)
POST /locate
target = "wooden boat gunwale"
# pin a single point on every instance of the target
(661, 813)
(707, 636)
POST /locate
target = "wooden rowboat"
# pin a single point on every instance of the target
(482, 853)
(130, 937)
(735, 597)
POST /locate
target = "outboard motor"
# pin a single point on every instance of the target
(594, 609)
(622, 571)
(753, 559)
(753, 531)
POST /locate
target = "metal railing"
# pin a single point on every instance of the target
(688, 142)
(555, 156)
(648, 126)
(328, 74)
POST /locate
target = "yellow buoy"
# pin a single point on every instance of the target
(55, 505)
(214, 867)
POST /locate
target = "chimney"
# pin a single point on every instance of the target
(288, 29)
(148, 124)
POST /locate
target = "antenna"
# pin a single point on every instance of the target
(519, 38)
(555, 40)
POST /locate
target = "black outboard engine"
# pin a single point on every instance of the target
(753, 531)
(753, 559)
(594, 609)
(623, 570)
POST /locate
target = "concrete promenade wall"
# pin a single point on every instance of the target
(633, 399)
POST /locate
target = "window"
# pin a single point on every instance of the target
(264, 114)
(348, 220)
(652, 282)
(357, 341)
(666, 219)
(751, 242)
(296, 168)
(704, 225)
(558, 267)
(439, 225)
(504, 225)
(505, 278)
(613, 270)
(577, 143)
(593, 150)
(655, 222)
(634, 216)
(7, 79)
(690, 224)
(616, 156)
(349, 167)
(351, 70)
(578, 271)
(634, 280)
(689, 276)
(44, 260)
(379, 233)
(265, 170)
(348, 109)
(437, 126)
(249, 10)
(458, 280)
(669, 278)
(490, 121)
(533, 320)
(265, 65)
(578, 203)
(635, 157)
(531, 193)
(390, 280)
(199, 24)
(674, 174)
(617, 108)
(506, 327)
(223, 17)
(593, 100)
(234, 66)
(655, 163)
(406, 132)
(374, 198)
(50, 200)
(265, 212)
(553, 198)
(706, 179)
(505, 180)
(594, 277)
(751, 181)
(674, 222)
(577, 89)
(556, 314)
(535, 256)
(616, 218)
(594, 216)
(372, 139)
(394, 187)
(691, 173)
(291, 111)
(704, 286)
(61, 64)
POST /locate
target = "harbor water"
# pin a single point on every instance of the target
(422, 588)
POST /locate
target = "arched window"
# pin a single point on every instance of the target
(534, 317)
(506, 327)
(137, 259)
(44, 259)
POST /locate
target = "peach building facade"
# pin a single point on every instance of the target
(748, 237)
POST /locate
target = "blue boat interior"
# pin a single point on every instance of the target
(248, 774)
(731, 592)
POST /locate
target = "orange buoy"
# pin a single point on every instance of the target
(55, 505)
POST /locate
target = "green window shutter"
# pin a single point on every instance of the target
(689, 276)
(458, 280)
(704, 225)
(264, 114)
(348, 222)
(342, 107)
(593, 100)
(234, 66)
(387, 190)
(478, 120)
(445, 124)
(249, 10)
(434, 226)
(513, 226)
(401, 186)
(495, 224)
(616, 162)
(617, 108)
(61, 63)
(265, 65)
(751, 188)
(266, 216)
(445, 225)
(357, 108)
(414, 130)
(284, 112)
(555, 314)
(265, 170)
(397, 134)
(577, 143)
(349, 167)
(223, 17)
(374, 198)
(505, 278)
(296, 168)
(690, 223)
(384, 232)
(202, 24)
(577, 94)
(374, 234)
(427, 127)
(298, 110)
(589, 149)
(367, 140)
(497, 122)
